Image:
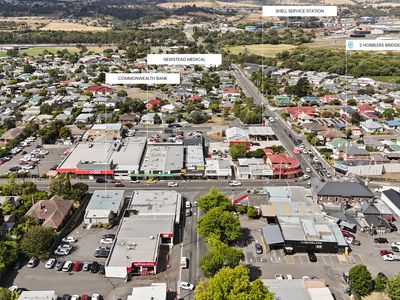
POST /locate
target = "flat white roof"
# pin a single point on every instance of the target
(156, 291)
(194, 156)
(107, 126)
(38, 295)
(264, 130)
(106, 200)
(163, 157)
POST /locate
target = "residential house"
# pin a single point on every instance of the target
(283, 100)
(371, 126)
(51, 213)
(99, 90)
(284, 165)
(10, 135)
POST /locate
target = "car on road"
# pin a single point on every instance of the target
(50, 263)
(312, 257)
(119, 184)
(329, 175)
(308, 170)
(32, 262)
(259, 249)
(309, 151)
(305, 177)
(107, 240)
(59, 265)
(77, 266)
(279, 277)
(235, 183)
(86, 266)
(69, 239)
(187, 286)
(135, 181)
(151, 181)
(304, 151)
(381, 240)
(172, 184)
(315, 159)
(100, 180)
(67, 266)
(296, 151)
(188, 212)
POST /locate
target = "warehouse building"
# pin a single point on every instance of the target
(145, 234)
(108, 158)
(104, 207)
(195, 165)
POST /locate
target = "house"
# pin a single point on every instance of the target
(153, 104)
(104, 207)
(11, 200)
(113, 130)
(10, 135)
(283, 165)
(129, 119)
(99, 90)
(9, 222)
(230, 93)
(302, 115)
(347, 112)
(51, 213)
(371, 126)
(391, 125)
(84, 118)
(283, 100)
(343, 192)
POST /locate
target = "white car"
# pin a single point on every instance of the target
(75, 297)
(305, 177)
(50, 263)
(69, 239)
(315, 159)
(172, 184)
(65, 246)
(308, 170)
(388, 257)
(329, 175)
(289, 276)
(305, 277)
(106, 241)
(187, 286)
(396, 244)
(32, 262)
(61, 252)
(95, 297)
(235, 183)
(279, 277)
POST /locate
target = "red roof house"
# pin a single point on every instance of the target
(284, 165)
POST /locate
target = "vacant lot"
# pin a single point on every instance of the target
(333, 44)
(68, 26)
(262, 50)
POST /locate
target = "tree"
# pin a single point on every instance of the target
(170, 119)
(349, 133)
(12, 52)
(8, 255)
(259, 153)
(60, 185)
(380, 283)
(356, 118)
(393, 287)
(360, 280)
(219, 255)
(37, 241)
(6, 294)
(64, 132)
(122, 93)
(232, 283)
(219, 223)
(327, 114)
(214, 199)
(28, 68)
(214, 106)
(197, 117)
(302, 87)
(389, 114)
(157, 119)
(352, 102)
(45, 109)
(78, 191)
(278, 148)
(238, 150)
(252, 212)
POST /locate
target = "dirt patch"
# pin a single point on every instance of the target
(69, 26)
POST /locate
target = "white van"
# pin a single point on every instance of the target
(184, 262)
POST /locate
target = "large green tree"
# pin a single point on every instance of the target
(380, 283)
(238, 150)
(393, 287)
(60, 185)
(219, 255)
(360, 280)
(6, 294)
(214, 199)
(37, 241)
(220, 224)
(230, 284)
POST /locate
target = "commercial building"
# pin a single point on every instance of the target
(145, 234)
(104, 206)
(262, 133)
(118, 159)
(284, 165)
(299, 289)
(391, 197)
(254, 168)
(156, 291)
(195, 165)
(343, 192)
(110, 130)
(218, 169)
(162, 160)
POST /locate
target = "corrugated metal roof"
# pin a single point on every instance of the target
(272, 234)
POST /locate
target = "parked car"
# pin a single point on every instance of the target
(85, 297)
(385, 252)
(65, 297)
(50, 263)
(100, 180)
(59, 265)
(32, 262)
(395, 248)
(67, 266)
(259, 249)
(109, 235)
(61, 252)
(188, 212)
(305, 177)
(381, 240)
(289, 276)
(69, 239)
(17, 265)
(77, 266)
(312, 257)
(86, 266)
(102, 270)
(279, 277)
(65, 246)
(107, 240)
(75, 297)
(393, 227)
(187, 286)
(356, 243)
(347, 234)
(95, 297)
(308, 170)
(94, 268)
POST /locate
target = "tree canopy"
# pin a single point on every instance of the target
(393, 287)
(232, 284)
(37, 241)
(213, 199)
(360, 280)
(220, 224)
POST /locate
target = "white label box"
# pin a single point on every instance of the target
(373, 45)
(299, 11)
(143, 78)
(184, 59)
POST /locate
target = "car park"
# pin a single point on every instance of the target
(32, 262)
(67, 266)
(102, 253)
(59, 265)
(50, 263)
(381, 240)
(187, 286)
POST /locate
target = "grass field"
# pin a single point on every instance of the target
(35, 51)
(327, 44)
(142, 95)
(390, 79)
(68, 26)
(262, 50)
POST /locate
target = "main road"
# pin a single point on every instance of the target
(281, 129)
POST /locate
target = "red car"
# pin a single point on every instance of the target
(77, 266)
(348, 234)
(119, 184)
(385, 252)
(85, 297)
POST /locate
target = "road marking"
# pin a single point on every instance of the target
(290, 259)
